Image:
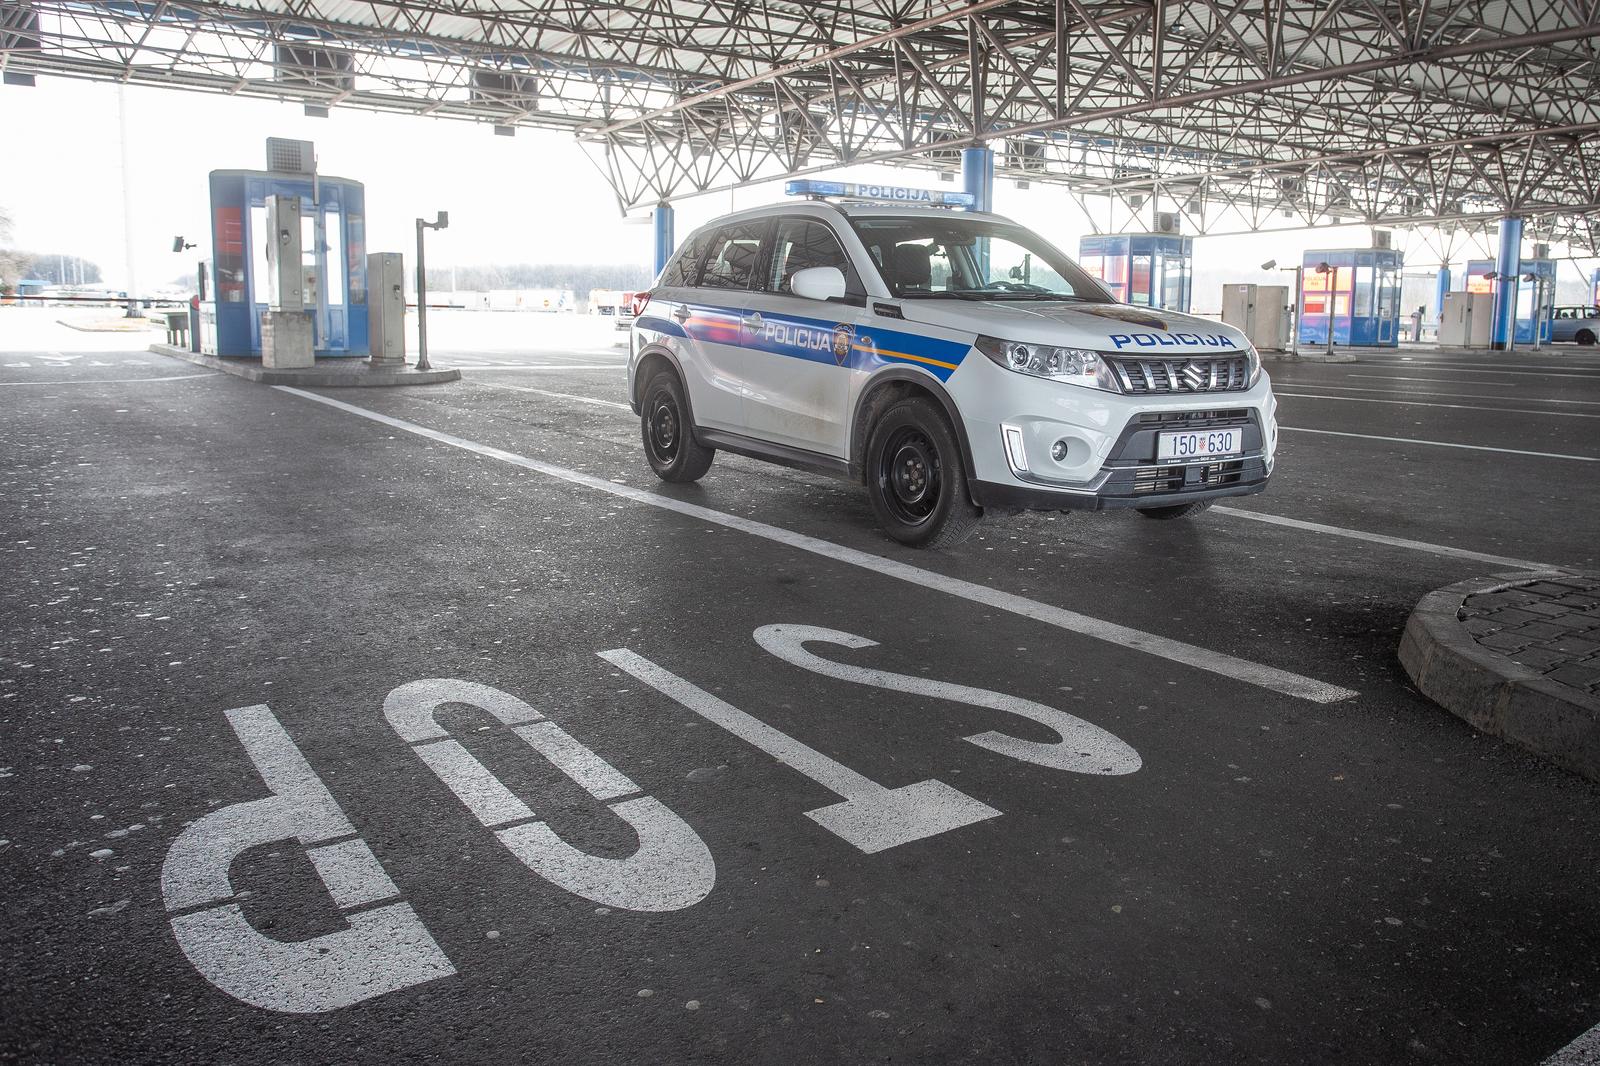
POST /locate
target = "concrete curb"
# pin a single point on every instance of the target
(1491, 692)
(350, 373)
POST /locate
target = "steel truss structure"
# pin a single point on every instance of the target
(1236, 114)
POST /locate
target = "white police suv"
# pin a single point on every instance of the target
(953, 361)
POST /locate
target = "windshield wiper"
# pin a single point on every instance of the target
(943, 294)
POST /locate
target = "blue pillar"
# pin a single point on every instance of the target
(664, 242)
(1594, 292)
(1507, 264)
(977, 176)
(1438, 296)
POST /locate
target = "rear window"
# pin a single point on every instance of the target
(683, 269)
(731, 258)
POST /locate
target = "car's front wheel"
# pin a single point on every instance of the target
(915, 477)
(669, 442)
(1585, 337)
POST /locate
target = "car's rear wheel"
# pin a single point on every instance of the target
(669, 442)
(1585, 336)
(915, 477)
(1181, 510)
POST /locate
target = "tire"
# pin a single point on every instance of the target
(1585, 337)
(915, 476)
(1181, 510)
(668, 435)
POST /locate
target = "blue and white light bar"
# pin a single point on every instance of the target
(894, 194)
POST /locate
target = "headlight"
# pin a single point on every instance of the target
(1077, 366)
(1253, 364)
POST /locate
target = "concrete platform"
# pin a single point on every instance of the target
(327, 374)
(1517, 656)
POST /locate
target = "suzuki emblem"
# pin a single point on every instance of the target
(1194, 375)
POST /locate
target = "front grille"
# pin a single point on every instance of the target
(1149, 480)
(1239, 416)
(1139, 376)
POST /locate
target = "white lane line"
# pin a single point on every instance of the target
(1444, 363)
(1511, 373)
(1379, 538)
(1432, 395)
(1451, 406)
(545, 366)
(1444, 444)
(1290, 523)
(1584, 1051)
(1267, 677)
(572, 396)
(110, 381)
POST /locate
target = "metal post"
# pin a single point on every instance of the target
(442, 221)
(422, 301)
(127, 205)
(1538, 312)
(663, 218)
(1299, 302)
(1441, 286)
(1508, 264)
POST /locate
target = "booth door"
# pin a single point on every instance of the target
(1388, 304)
(328, 264)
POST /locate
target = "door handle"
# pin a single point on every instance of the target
(681, 312)
(753, 321)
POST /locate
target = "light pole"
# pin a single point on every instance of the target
(441, 222)
(1294, 329)
(1538, 309)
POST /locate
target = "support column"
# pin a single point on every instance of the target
(665, 244)
(1442, 286)
(1507, 264)
(977, 176)
(1594, 291)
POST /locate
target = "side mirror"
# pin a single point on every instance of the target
(818, 283)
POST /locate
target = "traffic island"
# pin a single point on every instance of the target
(1516, 656)
(325, 373)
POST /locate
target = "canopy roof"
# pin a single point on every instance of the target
(1238, 114)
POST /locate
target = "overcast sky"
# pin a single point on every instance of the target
(534, 197)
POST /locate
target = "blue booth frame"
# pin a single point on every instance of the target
(1167, 279)
(1361, 293)
(337, 250)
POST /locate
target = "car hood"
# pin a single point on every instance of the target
(1102, 327)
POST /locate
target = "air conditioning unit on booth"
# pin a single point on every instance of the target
(1166, 222)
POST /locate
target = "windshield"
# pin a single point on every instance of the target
(951, 257)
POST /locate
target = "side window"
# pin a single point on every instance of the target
(800, 245)
(731, 259)
(683, 270)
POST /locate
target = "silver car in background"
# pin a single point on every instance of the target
(1579, 324)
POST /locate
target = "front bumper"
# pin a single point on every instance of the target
(1109, 444)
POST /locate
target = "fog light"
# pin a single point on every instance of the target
(1058, 450)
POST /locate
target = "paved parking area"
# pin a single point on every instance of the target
(426, 725)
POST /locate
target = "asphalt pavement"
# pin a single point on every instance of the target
(426, 725)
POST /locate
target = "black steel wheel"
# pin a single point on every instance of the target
(915, 477)
(668, 434)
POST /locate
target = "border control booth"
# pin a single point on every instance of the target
(333, 260)
(1353, 291)
(1540, 291)
(1145, 269)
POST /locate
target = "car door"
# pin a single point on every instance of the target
(800, 351)
(710, 315)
